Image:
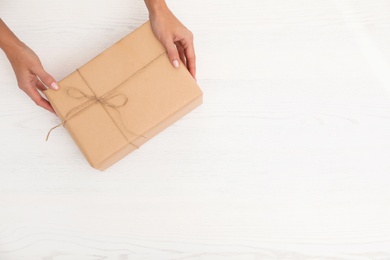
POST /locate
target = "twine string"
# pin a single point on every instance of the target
(104, 101)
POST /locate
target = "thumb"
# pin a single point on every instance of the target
(173, 53)
(47, 79)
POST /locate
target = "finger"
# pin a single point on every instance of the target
(182, 55)
(39, 85)
(191, 60)
(38, 99)
(173, 54)
(46, 79)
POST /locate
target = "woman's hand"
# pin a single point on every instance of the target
(175, 37)
(28, 68)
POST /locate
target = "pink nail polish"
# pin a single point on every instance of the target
(54, 86)
(176, 64)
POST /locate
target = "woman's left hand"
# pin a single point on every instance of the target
(175, 37)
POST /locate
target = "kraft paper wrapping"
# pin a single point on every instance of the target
(137, 69)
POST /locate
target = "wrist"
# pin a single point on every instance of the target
(8, 40)
(156, 7)
(12, 48)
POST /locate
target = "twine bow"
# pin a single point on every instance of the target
(114, 102)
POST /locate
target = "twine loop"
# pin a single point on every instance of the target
(114, 102)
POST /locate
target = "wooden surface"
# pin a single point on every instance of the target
(288, 158)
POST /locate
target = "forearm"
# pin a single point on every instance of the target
(8, 40)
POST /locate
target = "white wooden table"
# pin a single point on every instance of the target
(288, 158)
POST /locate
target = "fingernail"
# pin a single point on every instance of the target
(54, 85)
(176, 64)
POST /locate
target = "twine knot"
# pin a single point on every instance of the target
(115, 102)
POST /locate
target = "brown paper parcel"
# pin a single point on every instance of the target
(123, 97)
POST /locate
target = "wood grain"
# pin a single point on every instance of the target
(286, 159)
